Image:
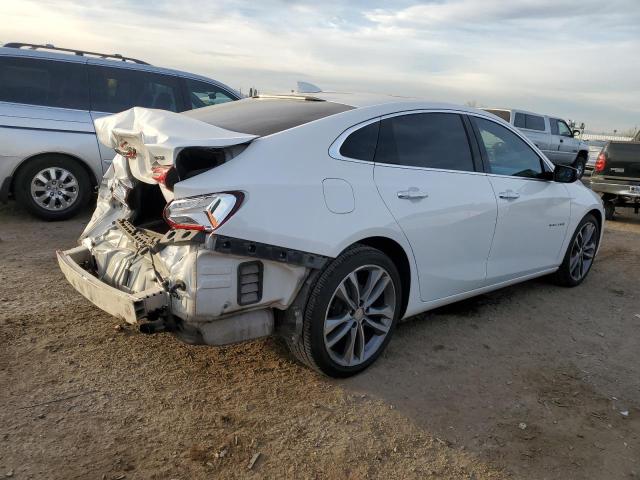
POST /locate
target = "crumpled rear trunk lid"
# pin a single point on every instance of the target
(151, 138)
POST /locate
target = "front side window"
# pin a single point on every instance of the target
(553, 123)
(361, 144)
(44, 82)
(203, 94)
(117, 89)
(431, 140)
(507, 153)
(563, 129)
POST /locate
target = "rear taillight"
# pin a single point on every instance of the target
(165, 175)
(206, 212)
(601, 162)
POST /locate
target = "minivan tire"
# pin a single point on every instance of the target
(310, 347)
(59, 163)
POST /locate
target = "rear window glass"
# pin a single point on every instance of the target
(117, 89)
(361, 144)
(503, 114)
(44, 82)
(265, 116)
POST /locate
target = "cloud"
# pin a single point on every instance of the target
(573, 59)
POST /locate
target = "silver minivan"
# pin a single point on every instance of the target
(50, 158)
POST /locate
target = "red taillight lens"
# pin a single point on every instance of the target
(165, 175)
(601, 162)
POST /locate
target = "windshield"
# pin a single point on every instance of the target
(264, 116)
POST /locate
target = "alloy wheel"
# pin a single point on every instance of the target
(360, 315)
(582, 251)
(54, 188)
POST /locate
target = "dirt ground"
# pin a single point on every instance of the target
(533, 381)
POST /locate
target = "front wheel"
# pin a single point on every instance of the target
(580, 165)
(53, 187)
(350, 314)
(580, 254)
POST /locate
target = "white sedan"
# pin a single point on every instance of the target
(325, 219)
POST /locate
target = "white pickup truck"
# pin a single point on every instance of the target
(551, 135)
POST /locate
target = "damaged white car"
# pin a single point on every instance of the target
(323, 219)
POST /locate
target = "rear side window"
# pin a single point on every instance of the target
(432, 140)
(44, 82)
(117, 89)
(203, 94)
(532, 122)
(361, 144)
(507, 153)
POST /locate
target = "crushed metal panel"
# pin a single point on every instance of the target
(128, 307)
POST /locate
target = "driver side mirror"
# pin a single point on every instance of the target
(212, 95)
(565, 174)
(576, 133)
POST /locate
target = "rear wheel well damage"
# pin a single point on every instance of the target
(28, 160)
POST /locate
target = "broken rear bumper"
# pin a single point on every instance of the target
(130, 307)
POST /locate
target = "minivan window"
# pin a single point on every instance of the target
(117, 89)
(203, 94)
(44, 82)
(507, 153)
(432, 140)
(361, 144)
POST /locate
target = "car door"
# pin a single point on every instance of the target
(425, 172)
(115, 89)
(533, 213)
(564, 146)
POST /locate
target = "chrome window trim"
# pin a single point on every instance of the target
(334, 148)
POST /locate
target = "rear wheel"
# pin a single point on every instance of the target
(580, 254)
(350, 314)
(53, 187)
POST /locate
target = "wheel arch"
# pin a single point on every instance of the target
(398, 256)
(27, 160)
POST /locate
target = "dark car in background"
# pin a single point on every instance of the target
(616, 176)
(50, 158)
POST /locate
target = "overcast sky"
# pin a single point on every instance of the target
(579, 60)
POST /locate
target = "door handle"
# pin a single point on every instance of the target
(561, 141)
(412, 193)
(509, 195)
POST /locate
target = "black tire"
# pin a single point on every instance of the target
(580, 164)
(309, 348)
(609, 210)
(563, 276)
(27, 173)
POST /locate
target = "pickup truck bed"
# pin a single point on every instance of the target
(617, 176)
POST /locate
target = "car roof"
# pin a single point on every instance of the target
(381, 102)
(67, 57)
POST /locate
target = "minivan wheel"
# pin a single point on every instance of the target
(350, 313)
(580, 253)
(53, 187)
